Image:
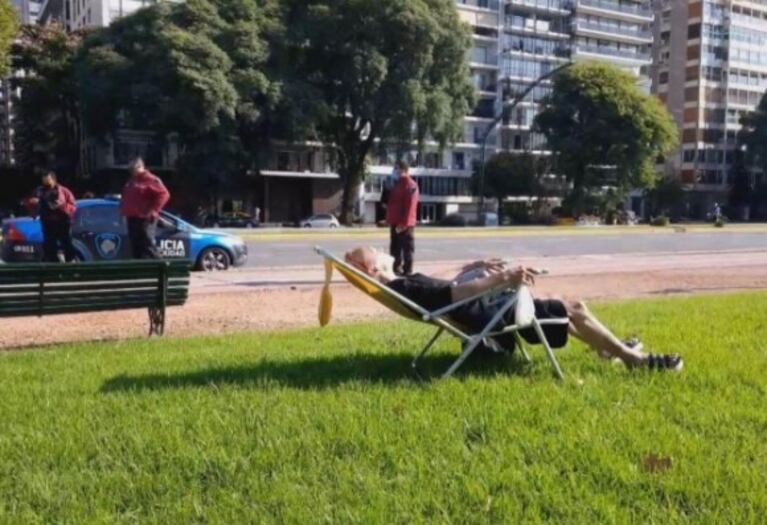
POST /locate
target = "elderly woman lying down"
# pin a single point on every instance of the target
(433, 294)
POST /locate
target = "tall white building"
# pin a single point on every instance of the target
(79, 14)
(516, 42)
(711, 69)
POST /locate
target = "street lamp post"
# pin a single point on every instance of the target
(506, 108)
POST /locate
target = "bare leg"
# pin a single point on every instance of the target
(587, 328)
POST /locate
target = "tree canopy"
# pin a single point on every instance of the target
(753, 137)
(604, 130)
(361, 71)
(517, 174)
(9, 27)
(48, 128)
(195, 69)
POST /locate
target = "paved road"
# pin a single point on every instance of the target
(278, 253)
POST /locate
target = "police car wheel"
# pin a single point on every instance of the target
(214, 260)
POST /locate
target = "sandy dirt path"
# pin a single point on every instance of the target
(280, 299)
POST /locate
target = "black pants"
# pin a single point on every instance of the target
(141, 234)
(402, 248)
(57, 234)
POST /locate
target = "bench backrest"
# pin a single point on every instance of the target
(46, 289)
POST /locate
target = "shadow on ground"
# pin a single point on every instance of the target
(319, 373)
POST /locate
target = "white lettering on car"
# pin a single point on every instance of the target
(171, 248)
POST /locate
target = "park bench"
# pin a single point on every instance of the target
(50, 289)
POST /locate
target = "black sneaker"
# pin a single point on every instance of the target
(634, 343)
(671, 362)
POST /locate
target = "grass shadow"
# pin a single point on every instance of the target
(322, 373)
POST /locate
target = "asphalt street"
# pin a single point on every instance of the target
(286, 252)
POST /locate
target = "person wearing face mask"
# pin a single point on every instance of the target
(56, 207)
(401, 215)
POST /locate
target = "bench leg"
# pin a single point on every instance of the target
(156, 321)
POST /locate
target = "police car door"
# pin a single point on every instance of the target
(172, 238)
(102, 231)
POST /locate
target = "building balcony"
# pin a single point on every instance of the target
(617, 56)
(639, 12)
(488, 5)
(560, 7)
(517, 28)
(604, 31)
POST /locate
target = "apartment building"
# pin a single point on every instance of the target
(29, 10)
(80, 14)
(711, 69)
(515, 43)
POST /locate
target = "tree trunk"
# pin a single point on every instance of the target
(352, 176)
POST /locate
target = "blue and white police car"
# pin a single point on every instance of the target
(100, 233)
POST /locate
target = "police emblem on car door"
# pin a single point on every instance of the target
(108, 245)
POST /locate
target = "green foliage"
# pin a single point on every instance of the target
(596, 118)
(516, 174)
(49, 128)
(667, 194)
(753, 136)
(9, 27)
(361, 70)
(329, 426)
(197, 70)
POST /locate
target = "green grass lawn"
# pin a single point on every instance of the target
(329, 427)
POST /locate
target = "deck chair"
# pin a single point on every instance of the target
(521, 301)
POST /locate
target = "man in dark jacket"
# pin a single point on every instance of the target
(401, 215)
(56, 207)
(143, 198)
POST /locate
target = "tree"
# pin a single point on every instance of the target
(49, 130)
(512, 174)
(753, 135)
(665, 196)
(604, 130)
(194, 70)
(362, 71)
(509, 174)
(9, 26)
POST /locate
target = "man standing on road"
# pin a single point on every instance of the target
(56, 207)
(143, 198)
(401, 214)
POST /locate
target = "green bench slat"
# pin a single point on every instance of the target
(84, 308)
(90, 287)
(150, 298)
(79, 287)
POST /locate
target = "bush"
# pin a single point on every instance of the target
(660, 221)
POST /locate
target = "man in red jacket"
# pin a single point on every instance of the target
(143, 198)
(56, 207)
(401, 217)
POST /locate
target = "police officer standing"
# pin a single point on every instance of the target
(56, 207)
(401, 215)
(143, 198)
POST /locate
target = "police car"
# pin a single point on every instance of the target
(100, 233)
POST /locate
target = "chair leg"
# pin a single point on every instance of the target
(473, 344)
(426, 348)
(522, 347)
(549, 351)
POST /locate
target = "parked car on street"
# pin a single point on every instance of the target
(100, 233)
(324, 220)
(237, 219)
